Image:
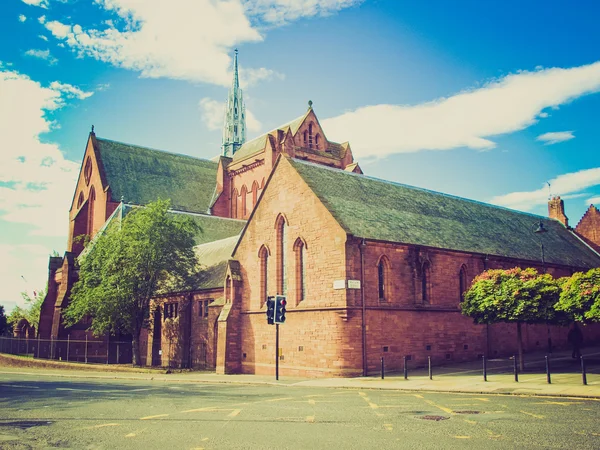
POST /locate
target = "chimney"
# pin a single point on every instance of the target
(556, 210)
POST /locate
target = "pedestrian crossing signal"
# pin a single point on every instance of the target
(280, 304)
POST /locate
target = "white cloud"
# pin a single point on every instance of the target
(555, 137)
(43, 38)
(23, 268)
(40, 3)
(593, 201)
(252, 123)
(37, 181)
(280, 12)
(213, 114)
(70, 91)
(42, 54)
(185, 39)
(467, 119)
(569, 184)
(22, 18)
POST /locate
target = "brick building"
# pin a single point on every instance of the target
(370, 267)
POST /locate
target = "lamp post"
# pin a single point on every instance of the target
(540, 230)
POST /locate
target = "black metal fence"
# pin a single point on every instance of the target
(70, 350)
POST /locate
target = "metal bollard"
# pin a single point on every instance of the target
(516, 368)
(484, 368)
(405, 369)
(430, 372)
(583, 372)
(382, 369)
(548, 379)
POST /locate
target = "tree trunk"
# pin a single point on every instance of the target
(135, 347)
(520, 347)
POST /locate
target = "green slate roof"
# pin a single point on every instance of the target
(141, 175)
(213, 228)
(213, 258)
(375, 209)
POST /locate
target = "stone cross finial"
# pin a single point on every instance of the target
(92, 129)
(310, 104)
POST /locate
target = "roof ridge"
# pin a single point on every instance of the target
(166, 152)
(396, 183)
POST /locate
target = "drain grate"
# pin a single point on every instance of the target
(467, 412)
(436, 418)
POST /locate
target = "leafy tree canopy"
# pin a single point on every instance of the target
(513, 295)
(31, 311)
(580, 296)
(124, 267)
(3, 321)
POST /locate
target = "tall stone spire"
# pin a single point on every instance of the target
(234, 126)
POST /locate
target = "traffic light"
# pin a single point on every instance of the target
(270, 310)
(280, 303)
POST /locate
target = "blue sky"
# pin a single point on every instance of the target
(485, 100)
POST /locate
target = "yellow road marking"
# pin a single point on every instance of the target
(482, 399)
(310, 419)
(418, 396)
(388, 426)
(234, 413)
(462, 437)
(443, 408)
(153, 417)
(130, 435)
(559, 403)
(197, 410)
(373, 405)
(362, 394)
(311, 402)
(103, 425)
(472, 422)
(533, 415)
(279, 399)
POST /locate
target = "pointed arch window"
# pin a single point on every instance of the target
(263, 256)
(87, 171)
(462, 282)
(254, 194)
(383, 279)
(91, 202)
(234, 204)
(80, 200)
(425, 282)
(317, 139)
(305, 138)
(228, 289)
(310, 135)
(281, 255)
(300, 250)
(244, 194)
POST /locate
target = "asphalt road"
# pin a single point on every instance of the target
(38, 411)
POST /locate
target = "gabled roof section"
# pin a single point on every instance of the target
(213, 228)
(213, 258)
(381, 210)
(258, 144)
(141, 175)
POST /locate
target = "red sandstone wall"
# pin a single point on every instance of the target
(101, 210)
(325, 262)
(589, 227)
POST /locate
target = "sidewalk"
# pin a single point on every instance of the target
(461, 378)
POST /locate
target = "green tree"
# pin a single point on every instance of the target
(580, 296)
(3, 321)
(124, 267)
(515, 296)
(30, 312)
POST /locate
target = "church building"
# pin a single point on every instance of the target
(370, 268)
